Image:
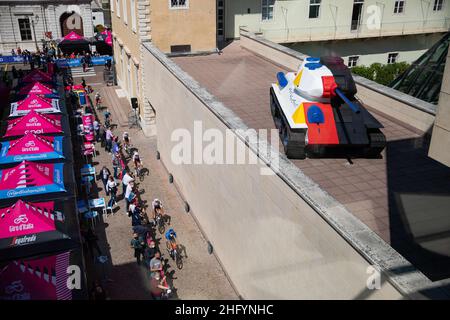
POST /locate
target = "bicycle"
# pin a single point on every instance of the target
(172, 248)
(138, 172)
(160, 222)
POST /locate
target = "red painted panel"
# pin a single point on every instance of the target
(324, 133)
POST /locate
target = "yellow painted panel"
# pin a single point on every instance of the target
(299, 115)
(298, 78)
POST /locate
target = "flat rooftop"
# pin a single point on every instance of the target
(404, 196)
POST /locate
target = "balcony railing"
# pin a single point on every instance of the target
(362, 31)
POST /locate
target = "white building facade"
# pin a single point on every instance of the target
(27, 24)
(361, 31)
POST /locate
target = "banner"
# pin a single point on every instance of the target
(96, 61)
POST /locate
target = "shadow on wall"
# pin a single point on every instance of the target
(419, 206)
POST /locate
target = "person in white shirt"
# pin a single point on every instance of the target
(129, 194)
(112, 188)
(127, 177)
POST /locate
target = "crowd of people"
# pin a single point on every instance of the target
(120, 184)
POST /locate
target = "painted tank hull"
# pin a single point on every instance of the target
(314, 124)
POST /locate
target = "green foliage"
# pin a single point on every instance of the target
(381, 73)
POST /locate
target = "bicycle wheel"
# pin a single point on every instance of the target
(168, 246)
(179, 261)
(161, 226)
(141, 176)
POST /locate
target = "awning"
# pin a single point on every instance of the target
(34, 122)
(29, 178)
(32, 147)
(42, 278)
(73, 37)
(36, 88)
(34, 102)
(37, 75)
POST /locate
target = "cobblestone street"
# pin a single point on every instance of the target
(202, 276)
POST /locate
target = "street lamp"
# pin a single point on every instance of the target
(33, 22)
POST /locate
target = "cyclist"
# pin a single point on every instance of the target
(137, 162)
(171, 236)
(107, 116)
(157, 209)
(98, 100)
(126, 141)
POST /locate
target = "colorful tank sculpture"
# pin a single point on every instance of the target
(316, 112)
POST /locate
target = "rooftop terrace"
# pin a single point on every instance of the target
(404, 197)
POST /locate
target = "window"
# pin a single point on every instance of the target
(267, 9)
(178, 4)
(136, 79)
(124, 10)
(25, 29)
(180, 48)
(314, 8)
(438, 4)
(118, 8)
(352, 61)
(399, 6)
(112, 5)
(392, 58)
(133, 15)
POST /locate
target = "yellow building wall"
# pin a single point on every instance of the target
(129, 38)
(195, 26)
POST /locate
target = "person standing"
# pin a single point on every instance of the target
(104, 175)
(138, 245)
(96, 126)
(115, 164)
(109, 137)
(112, 188)
(127, 178)
(129, 195)
(103, 136)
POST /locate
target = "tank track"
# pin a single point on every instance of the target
(377, 143)
(293, 141)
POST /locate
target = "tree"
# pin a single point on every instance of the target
(382, 74)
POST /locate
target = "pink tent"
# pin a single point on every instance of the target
(31, 147)
(31, 143)
(36, 88)
(30, 178)
(73, 36)
(24, 218)
(34, 122)
(36, 279)
(37, 75)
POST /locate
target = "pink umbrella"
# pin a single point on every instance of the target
(34, 122)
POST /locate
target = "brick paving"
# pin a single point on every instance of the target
(201, 277)
(382, 193)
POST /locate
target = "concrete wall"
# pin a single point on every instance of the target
(277, 236)
(393, 103)
(372, 50)
(440, 141)
(291, 22)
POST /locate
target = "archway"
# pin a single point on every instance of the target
(71, 21)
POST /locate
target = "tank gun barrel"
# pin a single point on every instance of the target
(352, 106)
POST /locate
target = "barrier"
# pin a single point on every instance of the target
(96, 61)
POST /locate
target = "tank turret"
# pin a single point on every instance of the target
(315, 110)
